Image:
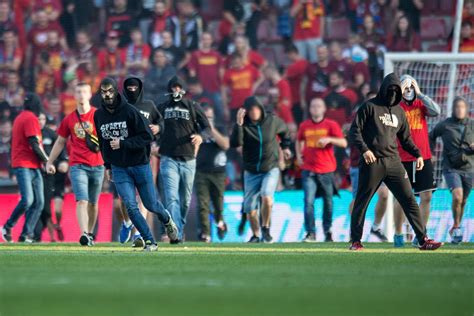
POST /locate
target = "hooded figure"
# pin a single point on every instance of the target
(379, 123)
(411, 93)
(176, 96)
(259, 141)
(32, 103)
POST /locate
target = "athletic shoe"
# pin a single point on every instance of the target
(415, 242)
(60, 233)
(222, 231)
(171, 230)
(149, 246)
(125, 233)
(356, 245)
(91, 239)
(7, 234)
(398, 241)
(138, 241)
(266, 237)
(310, 237)
(25, 239)
(328, 237)
(204, 238)
(379, 234)
(84, 240)
(430, 244)
(241, 227)
(176, 241)
(254, 239)
(456, 235)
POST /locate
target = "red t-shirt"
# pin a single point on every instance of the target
(240, 82)
(25, 125)
(308, 20)
(71, 128)
(295, 74)
(108, 61)
(284, 101)
(207, 65)
(38, 36)
(416, 117)
(316, 158)
(253, 58)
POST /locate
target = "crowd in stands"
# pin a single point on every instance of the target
(286, 51)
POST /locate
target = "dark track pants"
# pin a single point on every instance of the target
(393, 174)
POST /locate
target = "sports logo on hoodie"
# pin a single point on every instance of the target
(386, 120)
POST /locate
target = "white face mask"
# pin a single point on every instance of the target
(178, 95)
(409, 94)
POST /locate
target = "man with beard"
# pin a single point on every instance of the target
(379, 123)
(125, 139)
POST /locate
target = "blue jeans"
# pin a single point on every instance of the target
(177, 178)
(30, 183)
(87, 182)
(257, 185)
(311, 183)
(139, 178)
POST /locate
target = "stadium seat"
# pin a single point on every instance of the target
(430, 7)
(433, 28)
(337, 29)
(446, 7)
(437, 47)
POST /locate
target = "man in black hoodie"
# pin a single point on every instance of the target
(125, 139)
(257, 132)
(374, 131)
(183, 121)
(133, 91)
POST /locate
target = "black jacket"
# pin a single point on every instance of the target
(377, 125)
(259, 141)
(130, 127)
(181, 120)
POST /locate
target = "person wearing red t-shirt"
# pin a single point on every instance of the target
(339, 63)
(110, 58)
(317, 75)
(295, 72)
(283, 104)
(309, 27)
(315, 143)
(251, 57)
(136, 54)
(87, 166)
(418, 107)
(240, 82)
(26, 160)
(207, 65)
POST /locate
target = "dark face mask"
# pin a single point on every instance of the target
(132, 96)
(392, 95)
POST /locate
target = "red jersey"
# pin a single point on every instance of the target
(108, 61)
(316, 158)
(38, 36)
(26, 125)
(207, 65)
(308, 20)
(295, 74)
(416, 117)
(71, 128)
(284, 101)
(240, 82)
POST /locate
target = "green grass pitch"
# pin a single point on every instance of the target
(235, 279)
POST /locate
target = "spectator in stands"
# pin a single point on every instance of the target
(295, 72)
(27, 157)
(284, 102)
(186, 26)
(136, 54)
(315, 143)
(14, 88)
(11, 54)
(110, 58)
(457, 134)
(121, 20)
(85, 49)
(67, 99)
(355, 52)
(6, 22)
(57, 57)
(242, 47)
(52, 8)
(158, 25)
(197, 93)
(177, 56)
(372, 39)
(412, 10)
(232, 15)
(208, 66)
(44, 77)
(55, 112)
(157, 77)
(338, 62)
(318, 75)
(210, 176)
(239, 83)
(404, 39)
(339, 99)
(466, 44)
(309, 27)
(5, 147)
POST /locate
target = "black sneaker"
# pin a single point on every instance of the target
(266, 237)
(91, 239)
(25, 239)
(310, 237)
(328, 237)
(222, 231)
(254, 239)
(84, 240)
(379, 234)
(7, 234)
(176, 241)
(241, 227)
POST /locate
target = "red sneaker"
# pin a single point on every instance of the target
(430, 244)
(356, 245)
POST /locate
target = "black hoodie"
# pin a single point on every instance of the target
(127, 124)
(378, 124)
(181, 120)
(259, 141)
